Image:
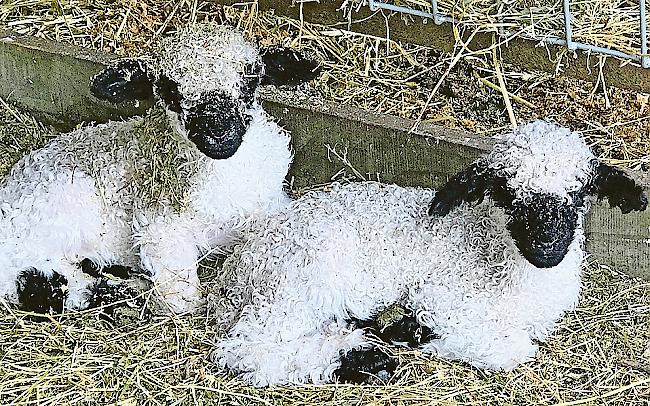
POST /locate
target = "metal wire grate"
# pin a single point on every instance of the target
(438, 18)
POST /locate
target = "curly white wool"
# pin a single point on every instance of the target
(79, 196)
(301, 273)
(541, 157)
(205, 58)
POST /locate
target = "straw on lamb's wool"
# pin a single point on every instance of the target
(109, 192)
(301, 275)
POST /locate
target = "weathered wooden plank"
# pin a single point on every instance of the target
(52, 79)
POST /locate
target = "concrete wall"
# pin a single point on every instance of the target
(51, 80)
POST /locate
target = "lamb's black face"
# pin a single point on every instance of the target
(542, 225)
(218, 123)
(251, 80)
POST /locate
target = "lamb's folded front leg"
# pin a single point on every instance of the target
(288, 343)
(485, 345)
(168, 250)
(477, 332)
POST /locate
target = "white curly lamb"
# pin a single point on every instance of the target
(470, 273)
(154, 192)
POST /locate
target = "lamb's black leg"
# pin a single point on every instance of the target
(90, 268)
(393, 325)
(397, 325)
(406, 330)
(39, 293)
(120, 302)
(359, 366)
(114, 297)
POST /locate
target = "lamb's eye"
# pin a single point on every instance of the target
(248, 88)
(502, 194)
(168, 92)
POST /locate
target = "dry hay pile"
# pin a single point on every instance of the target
(20, 133)
(128, 23)
(164, 168)
(613, 24)
(599, 354)
(455, 90)
(126, 27)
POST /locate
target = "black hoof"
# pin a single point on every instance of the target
(359, 366)
(41, 294)
(119, 302)
(90, 268)
(406, 330)
(397, 325)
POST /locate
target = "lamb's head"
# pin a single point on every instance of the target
(207, 77)
(541, 174)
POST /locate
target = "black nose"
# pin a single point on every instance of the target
(543, 260)
(217, 126)
(218, 139)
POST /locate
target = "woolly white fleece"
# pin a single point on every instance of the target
(78, 198)
(205, 58)
(301, 273)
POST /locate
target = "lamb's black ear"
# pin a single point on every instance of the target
(619, 189)
(286, 67)
(126, 80)
(469, 185)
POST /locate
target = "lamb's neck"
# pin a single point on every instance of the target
(249, 180)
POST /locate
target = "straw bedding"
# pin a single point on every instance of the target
(606, 23)
(456, 90)
(163, 176)
(20, 133)
(599, 355)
